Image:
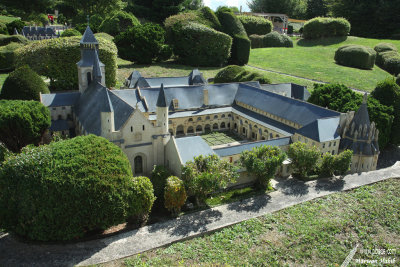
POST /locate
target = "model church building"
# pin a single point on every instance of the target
(157, 121)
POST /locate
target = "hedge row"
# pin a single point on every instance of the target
(325, 27)
(57, 58)
(7, 56)
(118, 23)
(255, 24)
(357, 56)
(388, 58)
(70, 32)
(6, 39)
(275, 39)
(81, 185)
(234, 73)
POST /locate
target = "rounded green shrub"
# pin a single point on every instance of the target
(158, 178)
(255, 24)
(57, 58)
(81, 185)
(209, 18)
(275, 39)
(143, 44)
(3, 28)
(24, 84)
(118, 23)
(7, 56)
(198, 45)
(320, 27)
(256, 41)
(357, 56)
(383, 47)
(234, 73)
(70, 32)
(6, 39)
(382, 57)
(15, 24)
(39, 19)
(392, 65)
(398, 80)
(104, 36)
(174, 194)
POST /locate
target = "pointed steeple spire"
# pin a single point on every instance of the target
(88, 37)
(97, 75)
(161, 101)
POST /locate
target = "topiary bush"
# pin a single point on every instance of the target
(234, 73)
(22, 123)
(383, 47)
(209, 18)
(257, 41)
(57, 58)
(255, 24)
(6, 39)
(81, 185)
(104, 36)
(143, 44)
(392, 65)
(398, 80)
(118, 23)
(70, 32)
(15, 24)
(3, 28)
(158, 178)
(320, 27)
(275, 39)
(24, 84)
(174, 194)
(7, 56)
(198, 45)
(382, 57)
(357, 56)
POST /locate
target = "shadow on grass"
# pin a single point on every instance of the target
(323, 41)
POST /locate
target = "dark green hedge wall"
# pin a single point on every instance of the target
(357, 56)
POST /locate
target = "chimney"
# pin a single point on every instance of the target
(205, 93)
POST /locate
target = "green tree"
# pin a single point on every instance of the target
(206, 174)
(192, 4)
(26, 7)
(326, 168)
(22, 123)
(158, 178)
(317, 8)
(155, 10)
(174, 194)
(304, 158)
(143, 44)
(293, 8)
(119, 22)
(233, 9)
(342, 162)
(91, 7)
(263, 162)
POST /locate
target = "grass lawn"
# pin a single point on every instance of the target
(3, 77)
(315, 60)
(220, 138)
(6, 19)
(321, 232)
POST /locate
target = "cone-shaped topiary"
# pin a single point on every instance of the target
(24, 84)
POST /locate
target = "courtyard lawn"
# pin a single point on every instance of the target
(6, 19)
(220, 138)
(315, 60)
(321, 232)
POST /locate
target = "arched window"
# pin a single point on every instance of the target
(277, 136)
(244, 130)
(199, 119)
(253, 135)
(138, 164)
(265, 131)
(229, 115)
(208, 117)
(190, 130)
(235, 126)
(179, 130)
(222, 125)
(190, 119)
(255, 126)
(199, 128)
(207, 128)
(215, 116)
(89, 77)
(263, 138)
(223, 116)
(271, 136)
(171, 132)
(215, 126)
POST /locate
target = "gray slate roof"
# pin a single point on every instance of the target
(42, 31)
(88, 37)
(237, 149)
(161, 101)
(60, 99)
(190, 147)
(287, 108)
(288, 89)
(321, 130)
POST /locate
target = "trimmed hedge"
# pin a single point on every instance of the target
(383, 47)
(392, 65)
(320, 27)
(275, 39)
(118, 23)
(357, 56)
(174, 194)
(7, 56)
(3, 28)
(255, 25)
(158, 178)
(57, 58)
(209, 18)
(398, 80)
(6, 39)
(104, 36)
(82, 184)
(203, 16)
(198, 45)
(70, 32)
(15, 24)
(257, 41)
(383, 56)
(234, 73)
(24, 84)
(231, 25)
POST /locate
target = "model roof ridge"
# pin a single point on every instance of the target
(88, 37)
(97, 75)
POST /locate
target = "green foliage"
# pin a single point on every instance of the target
(203, 16)
(326, 168)
(209, 18)
(16, 24)
(342, 99)
(143, 44)
(257, 41)
(57, 58)
(81, 184)
(39, 19)
(342, 162)
(384, 47)
(192, 4)
(392, 65)
(206, 174)
(3, 28)
(118, 23)
(22, 123)
(383, 57)
(304, 158)
(6, 39)
(23, 84)
(263, 162)
(95, 21)
(174, 194)
(357, 56)
(325, 27)
(198, 45)
(155, 10)
(72, 8)
(387, 93)
(7, 56)
(158, 178)
(388, 58)
(234, 73)
(104, 36)
(4, 153)
(293, 8)
(70, 32)
(275, 39)
(398, 80)
(316, 8)
(25, 7)
(290, 29)
(256, 25)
